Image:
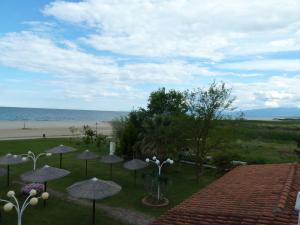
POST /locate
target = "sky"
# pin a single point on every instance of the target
(110, 54)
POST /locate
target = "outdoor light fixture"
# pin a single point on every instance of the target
(159, 165)
(14, 202)
(34, 157)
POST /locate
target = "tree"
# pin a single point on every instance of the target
(161, 136)
(206, 111)
(88, 134)
(152, 130)
(162, 102)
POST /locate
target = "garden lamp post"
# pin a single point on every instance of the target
(34, 157)
(14, 202)
(160, 166)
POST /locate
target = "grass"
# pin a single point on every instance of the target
(182, 183)
(255, 142)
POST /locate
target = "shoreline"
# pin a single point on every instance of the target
(14, 130)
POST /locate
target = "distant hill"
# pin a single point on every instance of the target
(272, 113)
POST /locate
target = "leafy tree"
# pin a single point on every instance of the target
(160, 133)
(128, 139)
(101, 141)
(162, 102)
(88, 133)
(160, 136)
(206, 110)
(151, 130)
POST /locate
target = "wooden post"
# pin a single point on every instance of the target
(86, 163)
(60, 160)
(94, 211)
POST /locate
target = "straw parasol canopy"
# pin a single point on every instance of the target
(2, 172)
(43, 175)
(111, 159)
(87, 155)
(94, 189)
(135, 164)
(10, 159)
(61, 149)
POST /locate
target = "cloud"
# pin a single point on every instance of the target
(171, 28)
(276, 91)
(289, 65)
(82, 75)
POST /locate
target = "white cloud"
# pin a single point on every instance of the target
(276, 91)
(279, 65)
(85, 76)
(209, 29)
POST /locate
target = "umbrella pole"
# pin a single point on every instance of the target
(45, 189)
(135, 178)
(8, 175)
(60, 160)
(86, 162)
(94, 209)
(111, 171)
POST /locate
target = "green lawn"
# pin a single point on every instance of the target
(255, 142)
(182, 184)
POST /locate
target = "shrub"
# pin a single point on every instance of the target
(223, 160)
(256, 160)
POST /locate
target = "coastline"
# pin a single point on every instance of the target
(12, 130)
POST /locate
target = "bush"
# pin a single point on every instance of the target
(101, 141)
(223, 160)
(256, 160)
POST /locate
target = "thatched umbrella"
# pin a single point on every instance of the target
(61, 149)
(94, 189)
(10, 159)
(43, 175)
(87, 155)
(111, 159)
(135, 164)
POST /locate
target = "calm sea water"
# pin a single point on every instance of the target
(33, 114)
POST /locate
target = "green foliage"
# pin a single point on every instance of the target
(151, 130)
(162, 102)
(223, 160)
(88, 133)
(161, 137)
(256, 160)
(174, 120)
(206, 108)
(101, 141)
(128, 139)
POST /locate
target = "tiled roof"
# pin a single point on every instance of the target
(248, 195)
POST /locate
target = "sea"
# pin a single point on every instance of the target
(39, 114)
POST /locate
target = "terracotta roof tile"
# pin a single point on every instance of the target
(248, 195)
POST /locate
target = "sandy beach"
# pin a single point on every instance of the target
(10, 130)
